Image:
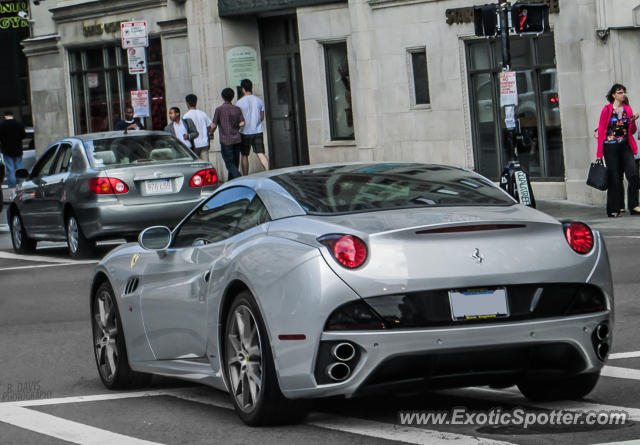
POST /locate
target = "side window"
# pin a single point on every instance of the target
(43, 166)
(217, 219)
(63, 160)
(256, 214)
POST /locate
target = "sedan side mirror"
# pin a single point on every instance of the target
(22, 173)
(155, 238)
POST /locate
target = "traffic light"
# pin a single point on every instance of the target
(530, 17)
(485, 18)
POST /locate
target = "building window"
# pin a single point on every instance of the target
(420, 78)
(339, 91)
(539, 134)
(101, 87)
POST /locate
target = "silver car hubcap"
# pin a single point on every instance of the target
(16, 231)
(105, 333)
(72, 234)
(244, 358)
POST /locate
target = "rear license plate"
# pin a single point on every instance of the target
(480, 303)
(157, 187)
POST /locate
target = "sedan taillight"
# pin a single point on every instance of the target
(579, 236)
(204, 178)
(348, 250)
(107, 186)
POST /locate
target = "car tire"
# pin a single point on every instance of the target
(572, 388)
(79, 246)
(263, 403)
(109, 347)
(22, 244)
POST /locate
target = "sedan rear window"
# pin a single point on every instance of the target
(356, 188)
(136, 150)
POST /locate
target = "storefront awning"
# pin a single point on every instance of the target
(230, 8)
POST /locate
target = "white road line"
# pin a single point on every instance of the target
(344, 424)
(619, 355)
(399, 433)
(63, 429)
(42, 259)
(621, 373)
(4, 228)
(626, 442)
(513, 397)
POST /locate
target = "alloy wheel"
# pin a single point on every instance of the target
(105, 332)
(72, 234)
(16, 231)
(244, 358)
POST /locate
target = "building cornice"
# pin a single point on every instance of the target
(173, 28)
(41, 45)
(98, 8)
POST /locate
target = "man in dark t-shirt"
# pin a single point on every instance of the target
(12, 133)
(229, 118)
(129, 122)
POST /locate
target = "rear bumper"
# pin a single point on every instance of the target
(463, 356)
(100, 220)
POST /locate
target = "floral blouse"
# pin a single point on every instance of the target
(618, 128)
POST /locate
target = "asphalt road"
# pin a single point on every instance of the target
(47, 369)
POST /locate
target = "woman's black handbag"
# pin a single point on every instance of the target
(597, 175)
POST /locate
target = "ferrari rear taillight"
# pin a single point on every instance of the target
(348, 250)
(204, 178)
(579, 236)
(107, 186)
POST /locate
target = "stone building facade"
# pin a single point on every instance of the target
(356, 80)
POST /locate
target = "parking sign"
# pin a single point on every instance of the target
(134, 34)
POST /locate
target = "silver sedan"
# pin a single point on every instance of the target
(106, 185)
(344, 280)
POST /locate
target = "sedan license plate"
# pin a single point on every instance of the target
(157, 187)
(480, 303)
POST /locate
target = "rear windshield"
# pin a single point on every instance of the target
(357, 188)
(135, 150)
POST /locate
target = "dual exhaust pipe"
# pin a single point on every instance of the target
(601, 335)
(340, 370)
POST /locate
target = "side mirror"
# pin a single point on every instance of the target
(155, 238)
(22, 173)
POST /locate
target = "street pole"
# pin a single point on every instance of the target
(506, 66)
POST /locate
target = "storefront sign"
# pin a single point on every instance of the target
(508, 88)
(97, 29)
(134, 34)
(140, 103)
(9, 18)
(137, 60)
(242, 63)
(92, 80)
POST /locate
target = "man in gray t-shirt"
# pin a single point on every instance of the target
(253, 111)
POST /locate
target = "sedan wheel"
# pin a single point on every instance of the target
(19, 238)
(79, 246)
(250, 370)
(108, 343)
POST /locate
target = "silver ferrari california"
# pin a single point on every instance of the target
(106, 185)
(345, 280)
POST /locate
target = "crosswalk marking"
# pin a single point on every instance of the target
(64, 429)
(620, 355)
(42, 259)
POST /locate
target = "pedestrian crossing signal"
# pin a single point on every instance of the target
(485, 19)
(530, 18)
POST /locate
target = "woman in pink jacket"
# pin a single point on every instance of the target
(617, 145)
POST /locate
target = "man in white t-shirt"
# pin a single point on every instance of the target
(253, 111)
(203, 124)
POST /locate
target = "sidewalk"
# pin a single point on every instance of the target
(594, 216)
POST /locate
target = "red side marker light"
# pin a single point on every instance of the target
(292, 337)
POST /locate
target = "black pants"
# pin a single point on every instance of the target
(619, 160)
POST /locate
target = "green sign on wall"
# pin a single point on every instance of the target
(229, 8)
(9, 18)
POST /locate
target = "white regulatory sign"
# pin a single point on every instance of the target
(508, 88)
(134, 34)
(137, 60)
